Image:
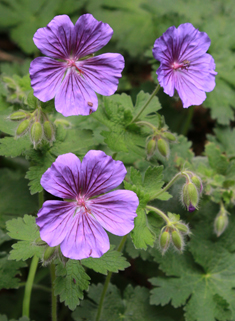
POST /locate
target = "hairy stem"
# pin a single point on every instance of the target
(32, 272)
(146, 104)
(159, 212)
(106, 284)
(28, 286)
(146, 123)
(167, 185)
(53, 296)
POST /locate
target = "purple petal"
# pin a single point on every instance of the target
(55, 40)
(62, 179)
(101, 73)
(188, 92)
(75, 97)
(85, 238)
(101, 173)
(55, 219)
(191, 43)
(191, 208)
(166, 79)
(163, 46)
(46, 75)
(115, 211)
(90, 35)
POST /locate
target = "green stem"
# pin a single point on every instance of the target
(159, 212)
(167, 186)
(31, 275)
(41, 198)
(146, 123)
(28, 286)
(188, 120)
(53, 296)
(106, 284)
(146, 104)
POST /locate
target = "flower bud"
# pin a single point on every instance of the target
(164, 241)
(197, 182)
(169, 136)
(36, 133)
(220, 224)
(23, 127)
(18, 115)
(183, 228)
(48, 130)
(177, 240)
(190, 196)
(163, 147)
(151, 147)
(49, 254)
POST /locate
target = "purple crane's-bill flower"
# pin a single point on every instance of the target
(72, 74)
(184, 63)
(78, 224)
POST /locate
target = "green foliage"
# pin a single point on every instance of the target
(14, 192)
(8, 270)
(133, 306)
(203, 280)
(71, 280)
(12, 147)
(116, 112)
(112, 261)
(146, 190)
(26, 231)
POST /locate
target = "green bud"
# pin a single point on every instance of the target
(197, 182)
(163, 147)
(36, 133)
(169, 136)
(220, 224)
(183, 228)
(18, 115)
(190, 196)
(164, 241)
(49, 253)
(48, 130)
(151, 147)
(177, 240)
(23, 127)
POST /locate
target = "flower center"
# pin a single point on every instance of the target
(72, 63)
(183, 65)
(81, 202)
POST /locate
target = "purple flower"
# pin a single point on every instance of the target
(77, 224)
(71, 79)
(184, 63)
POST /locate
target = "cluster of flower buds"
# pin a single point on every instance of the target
(191, 191)
(36, 123)
(221, 221)
(50, 253)
(173, 233)
(159, 141)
